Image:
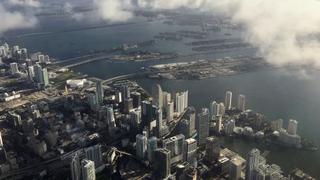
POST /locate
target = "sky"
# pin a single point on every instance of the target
(285, 31)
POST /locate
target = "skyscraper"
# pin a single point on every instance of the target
(190, 150)
(99, 91)
(241, 103)
(141, 146)
(125, 91)
(41, 75)
(218, 126)
(170, 111)
(252, 163)
(214, 109)
(158, 96)
(159, 122)
(162, 162)
(203, 126)
(228, 100)
(136, 98)
(151, 147)
(181, 101)
(175, 145)
(94, 154)
(213, 149)
(1, 142)
(292, 127)
(110, 118)
(222, 109)
(75, 167)
(235, 169)
(14, 68)
(88, 170)
(128, 105)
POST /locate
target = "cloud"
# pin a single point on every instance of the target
(31, 3)
(284, 31)
(11, 20)
(114, 10)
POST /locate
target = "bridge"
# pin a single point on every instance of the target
(99, 58)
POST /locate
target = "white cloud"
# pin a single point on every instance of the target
(114, 10)
(31, 3)
(276, 27)
(11, 20)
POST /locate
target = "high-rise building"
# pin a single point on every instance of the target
(92, 101)
(192, 120)
(170, 111)
(166, 98)
(181, 101)
(235, 169)
(75, 167)
(135, 116)
(241, 103)
(136, 97)
(125, 91)
(99, 91)
(292, 127)
(110, 118)
(45, 77)
(277, 125)
(214, 109)
(203, 126)
(175, 145)
(141, 145)
(252, 163)
(228, 100)
(159, 122)
(88, 170)
(41, 75)
(222, 109)
(190, 150)
(213, 149)
(151, 147)
(229, 126)
(162, 163)
(158, 96)
(94, 154)
(30, 73)
(128, 105)
(14, 68)
(218, 126)
(1, 142)
(185, 128)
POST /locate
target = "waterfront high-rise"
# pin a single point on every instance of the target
(88, 170)
(214, 109)
(213, 149)
(292, 127)
(159, 123)
(235, 169)
(141, 145)
(162, 163)
(222, 109)
(241, 103)
(14, 68)
(252, 163)
(228, 100)
(203, 125)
